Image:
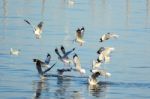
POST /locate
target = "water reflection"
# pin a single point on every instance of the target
(63, 84)
(40, 86)
(99, 90)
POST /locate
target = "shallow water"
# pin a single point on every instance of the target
(129, 63)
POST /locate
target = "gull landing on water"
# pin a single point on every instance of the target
(64, 58)
(37, 30)
(108, 36)
(15, 51)
(79, 36)
(77, 64)
(92, 80)
(46, 62)
(39, 68)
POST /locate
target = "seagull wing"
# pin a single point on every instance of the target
(63, 50)
(67, 53)
(30, 24)
(76, 61)
(38, 67)
(82, 32)
(49, 68)
(78, 34)
(48, 58)
(40, 25)
(57, 52)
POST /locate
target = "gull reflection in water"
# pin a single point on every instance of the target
(99, 90)
(63, 84)
(39, 87)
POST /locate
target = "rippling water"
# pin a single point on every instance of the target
(129, 64)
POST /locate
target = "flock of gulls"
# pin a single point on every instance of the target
(103, 56)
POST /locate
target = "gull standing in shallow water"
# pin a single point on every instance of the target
(15, 51)
(37, 30)
(108, 36)
(39, 69)
(46, 62)
(77, 64)
(92, 80)
(64, 58)
(79, 36)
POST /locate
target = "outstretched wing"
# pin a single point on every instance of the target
(49, 68)
(48, 58)
(29, 24)
(82, 31)
(78, 33)
(57, 52)
(38, 67)
(63, 49)
(76, 61)
(67, 53)
(40, 25)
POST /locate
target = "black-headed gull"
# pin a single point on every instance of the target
(79, 36)
(92, 80)
(108, 36)
(64, 58)
(36, 29)
(77, 64)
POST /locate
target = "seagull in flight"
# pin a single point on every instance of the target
(108, 36)
(79, 36)
(15, 51)
(36, 29)
(64, 58)
(77, 64)
(104, 53)
(96, 63)
(39, 68)
(92, 80)
(46, 62)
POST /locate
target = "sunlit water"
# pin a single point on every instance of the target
(129, 63)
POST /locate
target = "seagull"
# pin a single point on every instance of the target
(64, 58)
(108, 36)
(92, 80)
(15, 51)
(104, 53)
(37, 30)
(46, 62)
(39, 69)
(77, 64)
(96, 64)
(79, 35)
(61, 71)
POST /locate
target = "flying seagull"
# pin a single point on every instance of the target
(79, 36)
(15, 51)
(77, 64)
(64, 58)
(108, 36)
(104, 53)
(39, 68)
(36, 29)
(92, 80)
(46, 62)
(96, 63)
